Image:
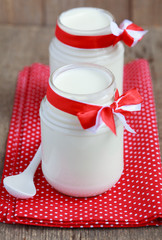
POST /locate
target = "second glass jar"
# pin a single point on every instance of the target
(79, 21)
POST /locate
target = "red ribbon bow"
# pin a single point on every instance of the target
(128, 32)
(106, 113)
(90, 115)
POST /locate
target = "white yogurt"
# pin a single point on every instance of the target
(82, 81)
(90, 22)
(75, 161)
(85, 19)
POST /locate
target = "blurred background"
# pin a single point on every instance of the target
(45, 12)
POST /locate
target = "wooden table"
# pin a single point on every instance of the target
(20, 46)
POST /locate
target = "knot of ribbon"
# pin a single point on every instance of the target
(128, 32)
(91, 116)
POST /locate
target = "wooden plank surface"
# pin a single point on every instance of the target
(119, 8)
(45, 12)
(20, 46)
(147, 12)
(5, 11)
(19, 12)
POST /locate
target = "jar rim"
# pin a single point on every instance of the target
(108, 90)
(86, 32)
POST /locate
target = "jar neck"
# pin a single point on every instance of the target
(57, 45)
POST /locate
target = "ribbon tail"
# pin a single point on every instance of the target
(108, 118)
(98, 123)
(123, 121)
(130, 108)
(136, 35)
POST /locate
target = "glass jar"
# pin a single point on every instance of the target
(75, 161)
(88, 22)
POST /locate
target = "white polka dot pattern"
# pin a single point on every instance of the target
(136, 200)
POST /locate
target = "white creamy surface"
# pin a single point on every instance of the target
(82, 81)
(85, 19)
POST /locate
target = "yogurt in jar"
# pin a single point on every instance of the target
(75, 161)
(87, 21)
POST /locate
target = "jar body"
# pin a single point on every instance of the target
(111, 57)
(77, 162)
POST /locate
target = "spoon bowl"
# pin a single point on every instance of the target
(22, 185)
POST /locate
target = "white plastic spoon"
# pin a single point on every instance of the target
(22, 185)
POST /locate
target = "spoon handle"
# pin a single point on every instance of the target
(34, 163)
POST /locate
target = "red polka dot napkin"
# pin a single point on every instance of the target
(136, 200)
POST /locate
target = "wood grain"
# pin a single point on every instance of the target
(45, 12)
(21, 232)
(6, 11)
(147, 12)
(20, 46)
(119, 8)
(21, 12)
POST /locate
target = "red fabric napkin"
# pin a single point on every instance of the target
(136, 200)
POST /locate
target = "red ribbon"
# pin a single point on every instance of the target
(87, 113)
(99, 41)
(86, 42)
